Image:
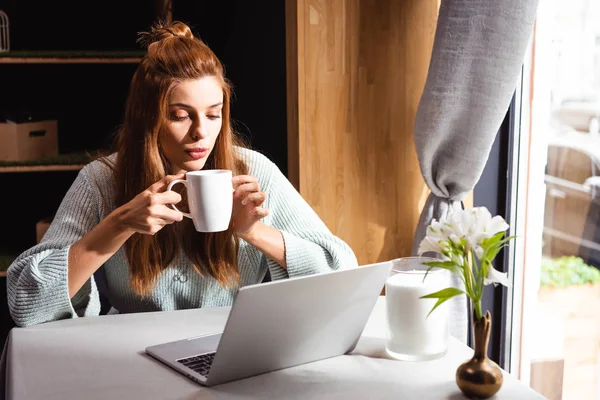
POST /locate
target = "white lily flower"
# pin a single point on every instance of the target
(465, 224)
(488, 226)
(478, 251)
(436, 231)
(481, 218)
(454, 238)
(459, 233)
(494, 276)
(440, 231)
(427, 244)
(457, 222)
(496, 225)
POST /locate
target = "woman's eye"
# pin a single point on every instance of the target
(213, 117)
(179, 117)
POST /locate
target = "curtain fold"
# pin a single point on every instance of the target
(476, 61)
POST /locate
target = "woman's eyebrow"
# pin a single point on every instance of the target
(188, 106)
(180, 105)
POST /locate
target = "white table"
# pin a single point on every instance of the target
(103, 358)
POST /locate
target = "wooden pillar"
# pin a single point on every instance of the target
(356, 71)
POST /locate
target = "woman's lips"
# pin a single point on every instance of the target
(197, 153)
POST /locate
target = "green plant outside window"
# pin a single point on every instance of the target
(567, 271)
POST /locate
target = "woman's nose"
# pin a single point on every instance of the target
(199, 131)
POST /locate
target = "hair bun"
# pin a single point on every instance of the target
(162, 30)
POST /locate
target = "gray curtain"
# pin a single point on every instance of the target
(476, 62)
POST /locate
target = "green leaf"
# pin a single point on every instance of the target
(449, 265)
(451, 291)
(506, 240)
(492, 240)
(496, 241)
(442, 296)
(441, 264)
(492, 252)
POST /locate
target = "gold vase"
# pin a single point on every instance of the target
(480, 377)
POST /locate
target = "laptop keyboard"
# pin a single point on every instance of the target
(200, 363)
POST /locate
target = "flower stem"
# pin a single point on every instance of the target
(472, 286)
(477, 306)
(469, 278)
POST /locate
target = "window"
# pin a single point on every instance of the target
(556, 308)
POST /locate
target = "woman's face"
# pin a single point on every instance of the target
(194, 122)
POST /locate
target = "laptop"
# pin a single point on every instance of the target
(281, 324)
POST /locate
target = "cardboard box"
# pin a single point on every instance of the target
(28, 141)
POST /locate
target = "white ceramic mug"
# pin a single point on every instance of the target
(210, 198)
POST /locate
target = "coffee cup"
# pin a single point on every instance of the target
(210, 198)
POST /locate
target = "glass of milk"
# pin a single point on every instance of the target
(411, 335)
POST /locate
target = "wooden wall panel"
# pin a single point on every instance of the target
(356, 71)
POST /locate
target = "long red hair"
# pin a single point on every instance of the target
(174, 55)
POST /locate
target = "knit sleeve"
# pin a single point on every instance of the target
(37, 281)
(309, 245)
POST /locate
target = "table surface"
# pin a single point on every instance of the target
(103, 358)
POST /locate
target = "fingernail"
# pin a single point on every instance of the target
(244, 202)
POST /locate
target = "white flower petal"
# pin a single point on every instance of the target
(494, 276)
(454, 239)
(476, 239)
(435, 231)
(483, 214)
(478, 251)
(461, 222)
(483, 219)
(427, 244)
(497, 224)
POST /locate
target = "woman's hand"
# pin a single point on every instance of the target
(247, 202)
(148, 212)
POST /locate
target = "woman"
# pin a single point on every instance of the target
(117, 213)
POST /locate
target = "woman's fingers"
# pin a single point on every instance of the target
(158, 220)
(168, 197)
(161, 185)
(167, 215)
(246, 184)
(241, 179)
(249, 200)
(257, 198)
(250, 187)
(160, 212)
(260, 212)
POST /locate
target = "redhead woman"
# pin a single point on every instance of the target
(119, 215)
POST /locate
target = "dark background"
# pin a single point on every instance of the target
(88, 100)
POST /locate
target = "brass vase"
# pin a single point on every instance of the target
(480, 377)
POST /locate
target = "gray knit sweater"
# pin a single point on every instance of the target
(37, 279)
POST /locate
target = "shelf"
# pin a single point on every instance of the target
(62, 162)
(39, 168)
(77, 60)
(71, 57)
